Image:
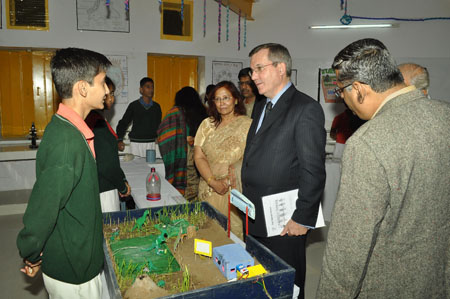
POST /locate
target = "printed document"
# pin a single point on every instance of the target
(278, 209)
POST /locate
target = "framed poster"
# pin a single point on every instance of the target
(328, 84)
(120, 61)
(226, 70)
(95, 15)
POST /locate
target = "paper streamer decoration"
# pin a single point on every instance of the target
(204, 18)
(182, 10)
(219, 29)
(228, 21)
(245, 31)
(239, 31)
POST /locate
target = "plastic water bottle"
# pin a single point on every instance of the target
(153, 185)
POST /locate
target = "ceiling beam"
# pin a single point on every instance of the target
(244, 5)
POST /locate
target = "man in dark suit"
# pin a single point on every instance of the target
(285, 151)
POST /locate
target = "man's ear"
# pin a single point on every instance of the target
(80, 88)
(282, 68)
(140, 90)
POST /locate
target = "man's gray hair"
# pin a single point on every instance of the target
(277, 53)
(367, 61)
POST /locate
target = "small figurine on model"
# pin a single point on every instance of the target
(33, 136)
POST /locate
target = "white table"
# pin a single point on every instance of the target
(333, 170)
(136, 172)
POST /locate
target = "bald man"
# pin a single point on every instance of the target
(416, 75)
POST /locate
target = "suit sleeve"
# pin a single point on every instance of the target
(123, 124)
(310, 139)
(358, 213)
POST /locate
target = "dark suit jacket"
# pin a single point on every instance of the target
(287, 153)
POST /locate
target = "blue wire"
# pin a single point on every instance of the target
(347, 19)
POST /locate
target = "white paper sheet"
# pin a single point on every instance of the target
(278, 209)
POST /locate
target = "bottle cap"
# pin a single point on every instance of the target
(153, 169)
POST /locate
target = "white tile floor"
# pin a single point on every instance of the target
(14, 284)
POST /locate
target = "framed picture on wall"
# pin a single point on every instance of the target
(294, 77)
(226, 70)
(98, 16)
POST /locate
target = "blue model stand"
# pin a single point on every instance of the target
(279, 280)
(227, 257)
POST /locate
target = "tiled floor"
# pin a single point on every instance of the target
(14, 284)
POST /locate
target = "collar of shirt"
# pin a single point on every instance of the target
(146, 106)
(393, 95)
(79, 123)
(274, 101)
(278, 95)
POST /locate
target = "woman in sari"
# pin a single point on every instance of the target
(219, 148)
(176, 141)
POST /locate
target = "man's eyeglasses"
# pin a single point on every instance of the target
(339, 90)
(111, 93)
(259, 68)
(224, 99)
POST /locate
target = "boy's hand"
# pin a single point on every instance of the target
(31, 269)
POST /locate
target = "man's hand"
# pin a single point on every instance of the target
(121, 145)
(31, 269)
(292, 228)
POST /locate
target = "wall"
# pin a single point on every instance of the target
(282, 21)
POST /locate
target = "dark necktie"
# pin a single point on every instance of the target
(267, 110)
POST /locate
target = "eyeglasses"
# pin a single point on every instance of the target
(111, 93)
(339, 90)
(224, 99)
(259, 68)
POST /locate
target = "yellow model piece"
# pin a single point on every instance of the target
(252, 271)
(203, 247)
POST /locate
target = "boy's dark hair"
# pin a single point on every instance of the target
(71, 65)
(109, 82)
(145, 80)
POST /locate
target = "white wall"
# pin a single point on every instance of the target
(282, 21)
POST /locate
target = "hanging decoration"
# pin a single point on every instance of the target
(219, 29)
(228, 20)
(127, 10)
(108, 9)
(346, 19)
(239, 31)
(182, 10)
(245, 31)
(204, 18)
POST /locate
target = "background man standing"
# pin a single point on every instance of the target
(248, 90)
(416, 75)
(145, 114)
(389, 233)
(285, 151)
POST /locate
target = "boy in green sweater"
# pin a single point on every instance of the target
(145, 114)
(63, 221)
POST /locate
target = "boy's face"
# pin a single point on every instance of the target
(147, 90)
(97, 92)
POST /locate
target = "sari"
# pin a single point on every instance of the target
(224, 149)
(177, 154)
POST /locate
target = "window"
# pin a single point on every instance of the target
(175, 24)
(29, 14)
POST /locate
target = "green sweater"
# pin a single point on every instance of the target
(145, 122)
(110, 175)
(63, 219)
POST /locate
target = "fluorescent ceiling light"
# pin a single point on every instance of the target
(353, 26)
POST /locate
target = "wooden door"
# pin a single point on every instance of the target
(46, 98)
(170, 74)
(27, 94)
(16, 93)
